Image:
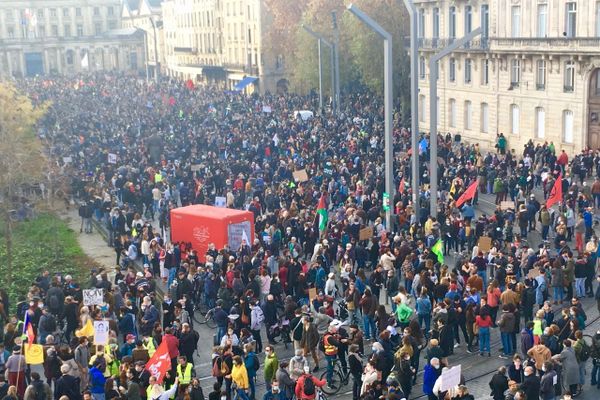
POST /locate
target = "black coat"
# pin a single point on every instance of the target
(531, 387)
(498, 384)
(67, 385)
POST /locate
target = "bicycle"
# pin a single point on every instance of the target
(338, 379)
(205, 318)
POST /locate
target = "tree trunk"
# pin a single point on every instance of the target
(9, 244)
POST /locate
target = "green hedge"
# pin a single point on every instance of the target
(44, 243)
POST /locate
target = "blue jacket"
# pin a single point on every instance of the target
(249, 363)
(430, 375)
(127, 324)
(97, 380)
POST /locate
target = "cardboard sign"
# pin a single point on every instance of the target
(101, 329)
(93, 297)
(112, 158)
(312, 294)
(196, 167)
(533, 273)
(300, 176)
(507, 205)
(450, 378)
(366, 233)
(485, 243)
(221, 201)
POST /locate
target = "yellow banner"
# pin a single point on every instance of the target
(34, 354)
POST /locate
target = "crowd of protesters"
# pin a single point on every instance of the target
(377, 306)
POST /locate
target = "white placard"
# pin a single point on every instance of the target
(101, 329)
(220, 202)
(450, 378)
(112, 158)
(267, 109)
(93, 297)
(67, 160)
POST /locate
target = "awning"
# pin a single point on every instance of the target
(241, 85)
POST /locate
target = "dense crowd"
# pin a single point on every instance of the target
(369, 309)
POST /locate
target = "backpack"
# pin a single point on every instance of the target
(256, 362)
(53, 302)
(40, 392)
(309, 386)
(322, 343)
(584, 353)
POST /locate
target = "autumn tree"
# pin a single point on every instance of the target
(22, 161)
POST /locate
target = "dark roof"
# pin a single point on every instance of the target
(132, 5)
(154, 3)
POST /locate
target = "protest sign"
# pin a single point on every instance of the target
(93, 297)
(101, 329)
(485, 243)
(365, 233)
(450, 378)
(300, 176)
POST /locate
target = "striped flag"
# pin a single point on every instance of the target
(322, 212)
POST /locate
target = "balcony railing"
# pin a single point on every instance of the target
(558, 42)
(568, 88)
(540, 86)
(438, 43)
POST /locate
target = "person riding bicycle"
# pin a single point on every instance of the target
(330, 346)
(306, 386)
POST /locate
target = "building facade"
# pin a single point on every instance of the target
(64, 37)
(532, 74)
(146, 15)
(221, 41)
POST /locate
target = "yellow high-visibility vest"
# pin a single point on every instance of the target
(185, 378)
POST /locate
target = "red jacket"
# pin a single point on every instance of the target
(172, 345)
(300, 387)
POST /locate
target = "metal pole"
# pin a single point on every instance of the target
(324, 41)
(333, 99)
(336, 46)
(433, 77)
(145, 53)
(414, 105)
(388, 88)
(156, 60)
(320, 77)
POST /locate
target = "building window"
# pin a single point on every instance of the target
(568, 126)
(421, 67)
(78, 12)
(485, 71)
(540, 123)
(41, 31)
(467, 115)
(468, 19)
(485, 21)
(53, 12)
(468, 63)
(540, 78)
(542, 17)
(112, 25)
(485, 118)
(452, 22)
(96, 11)
(515, 73)
(54, 30)
(65, 12)
(598, 18)
(67, 29)
(110, 11)
(452, 70)
(40, 13)
(422, 108)
(569, 76)
(436, 23)
(98, 28)
(571, 19)
(452, 112)
(79, 30)
(11, 32)
(515, 119)
(515, 21)
(421, 23)
(597, 85)
(70, 57)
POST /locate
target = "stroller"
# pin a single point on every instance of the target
(281, 329)
(342, 312)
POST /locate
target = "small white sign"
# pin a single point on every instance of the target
(112, 158)
(93, 297)
(450, 378)
(67, 160)
(101, 329)
(220, 202)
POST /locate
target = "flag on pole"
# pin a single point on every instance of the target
(438, 250)
(87, 330)
(468, 194)
(322, 212)
(28, 329)
(452, 189)
(160, 362)
(556, 194)
(401, 186)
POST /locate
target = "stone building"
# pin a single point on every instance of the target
(532, 74)
(65, 37)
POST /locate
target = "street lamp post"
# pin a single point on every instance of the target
(321, 40)
(433, 77)
(336, 51)
(156, 60)
(388, 104)
(414, 105)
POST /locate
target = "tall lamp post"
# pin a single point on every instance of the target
(336, 51)
(433, 77)
(156, 60)
(414, 104)
(320, 41)
(388, 104)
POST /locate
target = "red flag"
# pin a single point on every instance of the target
(189, 84)
(160, 362)
(556, 194)
(468, 194)
(401, 186)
